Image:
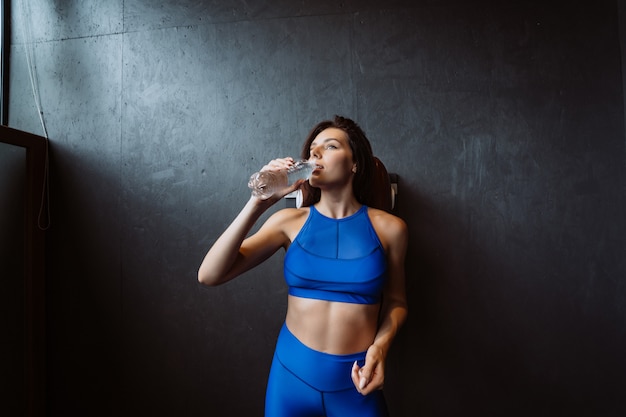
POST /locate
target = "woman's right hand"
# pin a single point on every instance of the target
(279, 164)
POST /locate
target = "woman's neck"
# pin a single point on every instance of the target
(337, 207)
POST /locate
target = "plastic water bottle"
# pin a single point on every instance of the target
(265, 184)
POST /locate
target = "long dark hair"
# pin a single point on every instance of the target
(361, 153)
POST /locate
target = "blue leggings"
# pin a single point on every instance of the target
(306, 383)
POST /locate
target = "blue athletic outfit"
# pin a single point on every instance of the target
(335, 260)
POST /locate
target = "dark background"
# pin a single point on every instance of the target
(12, 255)
(503, 120)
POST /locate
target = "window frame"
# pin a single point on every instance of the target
(5, 34)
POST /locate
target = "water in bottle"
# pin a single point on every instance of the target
(265, 184)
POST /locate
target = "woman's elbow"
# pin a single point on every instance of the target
(208, 279)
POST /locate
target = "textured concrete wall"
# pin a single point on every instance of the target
(503, 120)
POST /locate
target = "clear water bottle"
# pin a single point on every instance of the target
(265, 184)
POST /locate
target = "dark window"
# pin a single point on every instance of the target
(5, 17)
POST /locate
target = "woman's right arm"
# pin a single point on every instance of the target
(232, 253)
(227, 257)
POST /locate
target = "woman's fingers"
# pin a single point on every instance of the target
(278, 164)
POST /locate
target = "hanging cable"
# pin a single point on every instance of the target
(44, 207)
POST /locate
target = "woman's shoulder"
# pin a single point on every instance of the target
(291, 213)
(287, 217)
(386, 223)
(382, 216)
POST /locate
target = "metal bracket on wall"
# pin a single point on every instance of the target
(393, 179)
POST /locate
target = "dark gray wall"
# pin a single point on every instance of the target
(503, 120)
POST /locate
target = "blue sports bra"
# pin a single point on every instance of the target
(336, 259)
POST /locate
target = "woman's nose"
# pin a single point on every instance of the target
(315, 153)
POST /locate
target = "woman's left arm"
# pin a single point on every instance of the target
(394, 236)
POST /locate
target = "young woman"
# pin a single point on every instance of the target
(344, 266)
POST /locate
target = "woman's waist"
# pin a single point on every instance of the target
(332, 327)
(321, 370)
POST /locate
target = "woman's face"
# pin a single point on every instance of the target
(332, 153)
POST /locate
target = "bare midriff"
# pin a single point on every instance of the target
(332, 327)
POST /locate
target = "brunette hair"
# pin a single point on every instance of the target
(361, 153)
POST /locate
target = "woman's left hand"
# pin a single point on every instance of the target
(371, 376)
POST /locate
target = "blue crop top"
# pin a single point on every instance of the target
(336, 260)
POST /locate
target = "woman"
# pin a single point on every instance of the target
(344, 266)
